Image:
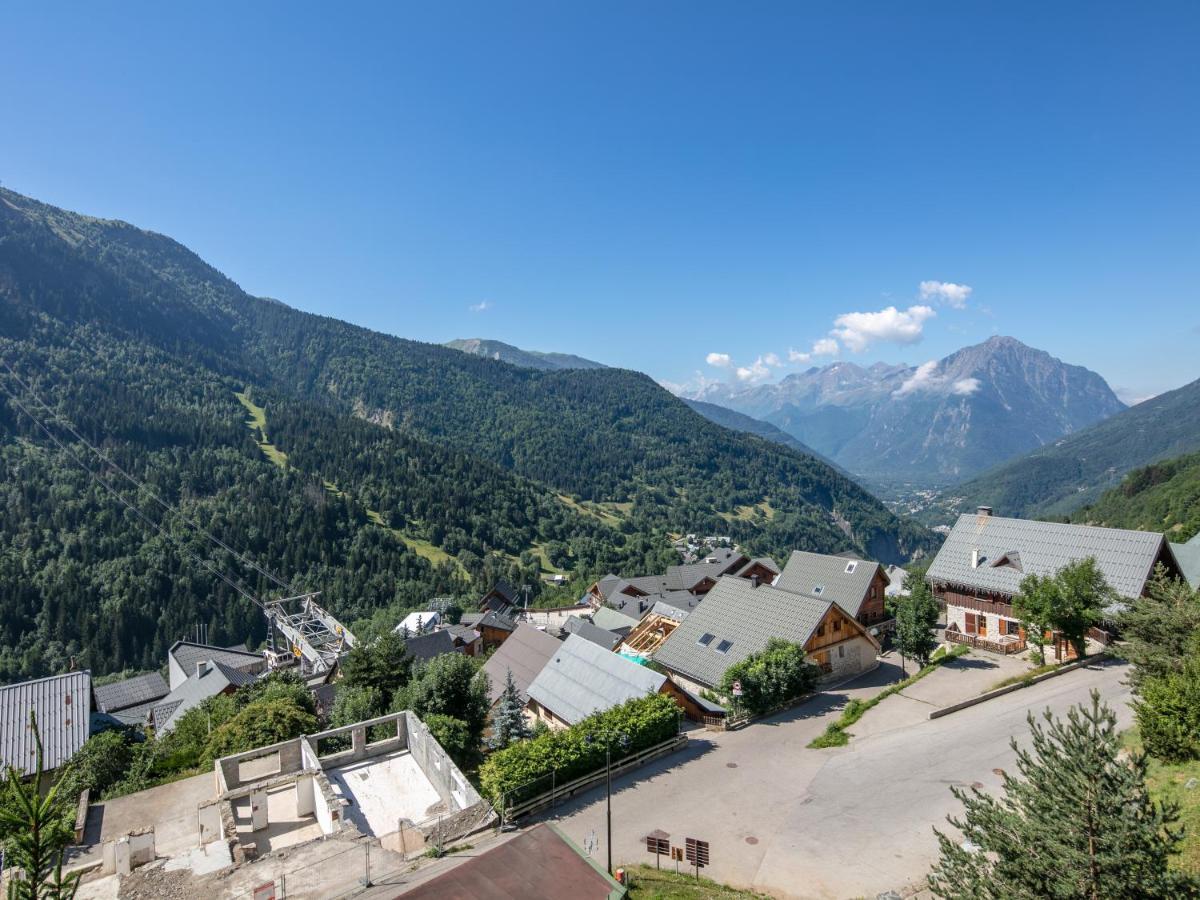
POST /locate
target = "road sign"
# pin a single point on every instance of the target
(658, 843)
(677, 854)
(697, 852)
(737, 689)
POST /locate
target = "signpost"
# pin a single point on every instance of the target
(697, 853)
(658, 843)
(737, 695)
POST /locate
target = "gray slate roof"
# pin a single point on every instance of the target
(825, 577)
(594, 633)
(615, 620)
(581, 679)
(424, 647)
(63, 706)
(187, 654)
(198, 688)
(524, 654)
(1188, 557)
(746, 616)
(1125, 557)
(128, 692)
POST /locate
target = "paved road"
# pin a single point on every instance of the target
(846, 822)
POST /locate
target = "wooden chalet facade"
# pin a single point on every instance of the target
(979, 568)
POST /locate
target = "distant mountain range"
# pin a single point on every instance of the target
(939, 422)
(529, 359)
(1063, 476)
(536, 359)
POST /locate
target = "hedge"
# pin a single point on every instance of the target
(523, 770)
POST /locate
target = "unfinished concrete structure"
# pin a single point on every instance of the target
(384, 782)
(386, 778)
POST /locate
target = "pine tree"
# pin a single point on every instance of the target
(1077, 823)
(36, 833)
(508, 722)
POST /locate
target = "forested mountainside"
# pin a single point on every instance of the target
(530, 359)
(1162, 497)
(941, 421)
(1060, 478)
(381, 471)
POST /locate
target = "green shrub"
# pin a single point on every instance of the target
(259, 724)
(771, 677)
(455, 737)
(523, 770)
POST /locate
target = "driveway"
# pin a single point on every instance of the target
(846, 822)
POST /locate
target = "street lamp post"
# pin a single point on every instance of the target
(623, 740)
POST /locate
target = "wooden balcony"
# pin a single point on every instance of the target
(1005, 644)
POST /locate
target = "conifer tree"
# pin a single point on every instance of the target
(1077, 822)
(36, 833)
(508, 722)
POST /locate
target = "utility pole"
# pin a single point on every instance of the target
(623, 740)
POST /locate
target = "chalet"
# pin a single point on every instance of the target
(601, 637)
(493, 627)
(615, 620)
(1188, 557)
(424, 647)
(130, 700)
(209, 678)
(979, 570)
(501, 598)
(582, 678)
(62, 704)
(854, 584)
(681, 586)
(466, 639)
(185, 657)
(738, 618)
(523, 656)
(420, 622)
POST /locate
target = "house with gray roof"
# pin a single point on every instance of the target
(62, 704)
(184, 657)
(210, 678)
(615, 620)
(739, 618)
(600, 636)
(524, 654)
(1188, 557)
(979, 569)
(856, 585)
(129, 692)
(582, 678)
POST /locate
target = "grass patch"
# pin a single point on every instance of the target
(835, 734)
(1024, 677)
(258, 422)
(1168, 781)
(763, 510)
(648, 883)
(608, 513)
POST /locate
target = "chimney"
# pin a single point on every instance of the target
(753, 581)
(984, 511)
(974, 557)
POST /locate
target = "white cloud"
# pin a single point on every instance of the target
(922, 379)
(772, 359)
(795, 356)
(858, 330)
(926, 378)
(946, 292)
(481, 306)
(720, 360)
(825, 347)
(755, 372)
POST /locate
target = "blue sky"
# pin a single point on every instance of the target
(651, 184)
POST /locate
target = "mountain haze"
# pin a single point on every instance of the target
(939, 422)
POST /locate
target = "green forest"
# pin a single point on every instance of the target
(1161, 497)
(384, 471)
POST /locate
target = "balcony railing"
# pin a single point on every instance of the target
(1005, 644)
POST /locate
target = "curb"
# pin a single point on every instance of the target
(1008, 689)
